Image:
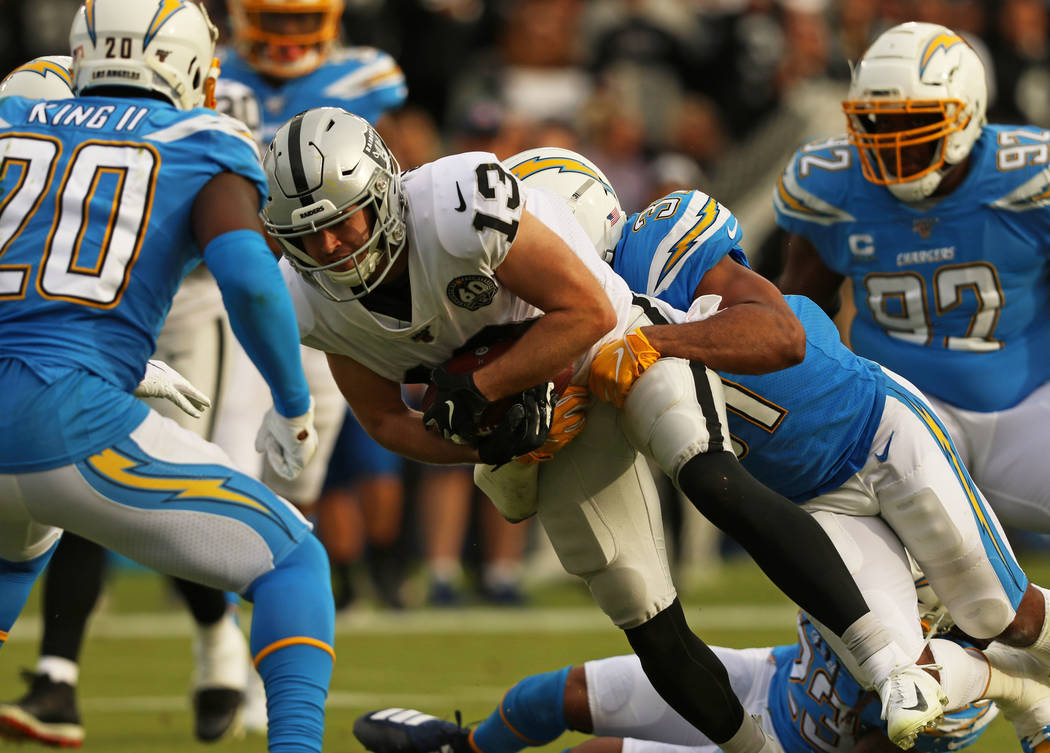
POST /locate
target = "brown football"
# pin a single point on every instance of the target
(472, 360)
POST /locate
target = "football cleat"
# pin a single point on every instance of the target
(397, 730)
(221, 654)
(47, 713)
(912, 700)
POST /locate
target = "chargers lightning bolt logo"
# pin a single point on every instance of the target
(121, 470)
(165, 10)
(44, 67)
(939, 42)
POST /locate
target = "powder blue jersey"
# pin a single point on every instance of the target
(953, 294)
(817, 707)
(95, 237)
(801, 431)
(361, 80)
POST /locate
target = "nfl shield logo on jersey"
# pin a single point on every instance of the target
(924, 226)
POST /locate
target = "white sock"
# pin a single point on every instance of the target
(1017, 679)
(875, 652)
(58, 669)
(964, 674)
(750, 738)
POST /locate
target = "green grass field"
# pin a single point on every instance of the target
(136, 662)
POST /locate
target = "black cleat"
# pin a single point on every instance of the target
(215, 711)
(46, 714)
(397, 730)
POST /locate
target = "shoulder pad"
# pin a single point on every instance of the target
(1021, 178)
(204, 122)
(833, 158)
(474, 201)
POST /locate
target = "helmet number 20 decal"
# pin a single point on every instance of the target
(486, 173)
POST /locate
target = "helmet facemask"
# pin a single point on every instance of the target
(285, 38)
(326, 167)
(892, 156)
(916, 107)
(365, 268)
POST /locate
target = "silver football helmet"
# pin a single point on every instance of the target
(164, 46)
(930, 81)
(576, 179)
(323, 166)
(45, 77)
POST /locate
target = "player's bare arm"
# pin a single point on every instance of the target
(755, 333)
(378, 406)
(227, 202)
(806, 274)
(541, 269)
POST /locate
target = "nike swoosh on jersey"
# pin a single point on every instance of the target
(462, 202)
(451, 407)
(881, 457)
(732, 233)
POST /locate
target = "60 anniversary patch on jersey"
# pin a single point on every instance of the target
(471, 291)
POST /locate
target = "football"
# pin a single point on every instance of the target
(473, 359)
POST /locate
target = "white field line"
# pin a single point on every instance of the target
(471, 621)
(336, 700)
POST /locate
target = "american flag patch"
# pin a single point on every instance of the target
(614, 216)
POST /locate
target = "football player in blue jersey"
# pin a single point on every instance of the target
(286, 53)
(74, 577)
(855, 444)
(803, 691)
(941, 223)
(110, 199)
(285, 60)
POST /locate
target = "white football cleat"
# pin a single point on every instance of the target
(912, 700)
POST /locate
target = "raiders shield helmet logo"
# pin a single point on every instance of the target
(471, 291)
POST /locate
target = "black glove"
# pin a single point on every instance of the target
(524, 427)
(457, 407)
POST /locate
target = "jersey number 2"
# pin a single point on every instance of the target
(114, 179)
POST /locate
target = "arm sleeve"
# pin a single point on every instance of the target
(261, 314)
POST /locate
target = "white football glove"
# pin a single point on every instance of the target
(289, 443)
(163, 381)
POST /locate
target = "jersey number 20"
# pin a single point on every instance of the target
(114, 179)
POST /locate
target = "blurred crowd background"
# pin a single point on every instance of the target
(661, 94)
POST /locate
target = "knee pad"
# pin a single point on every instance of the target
(675, 412)
(959, 570)
(601, 511)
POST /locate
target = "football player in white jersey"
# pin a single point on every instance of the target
(391, 274)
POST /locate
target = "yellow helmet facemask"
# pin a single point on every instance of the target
(915, 108)
(263, 28)
(883, 156)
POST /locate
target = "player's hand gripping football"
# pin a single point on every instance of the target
(618, 364)
(457, 407)
(524, 427)
(289, 443)
(163, 381)
(569, 417)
